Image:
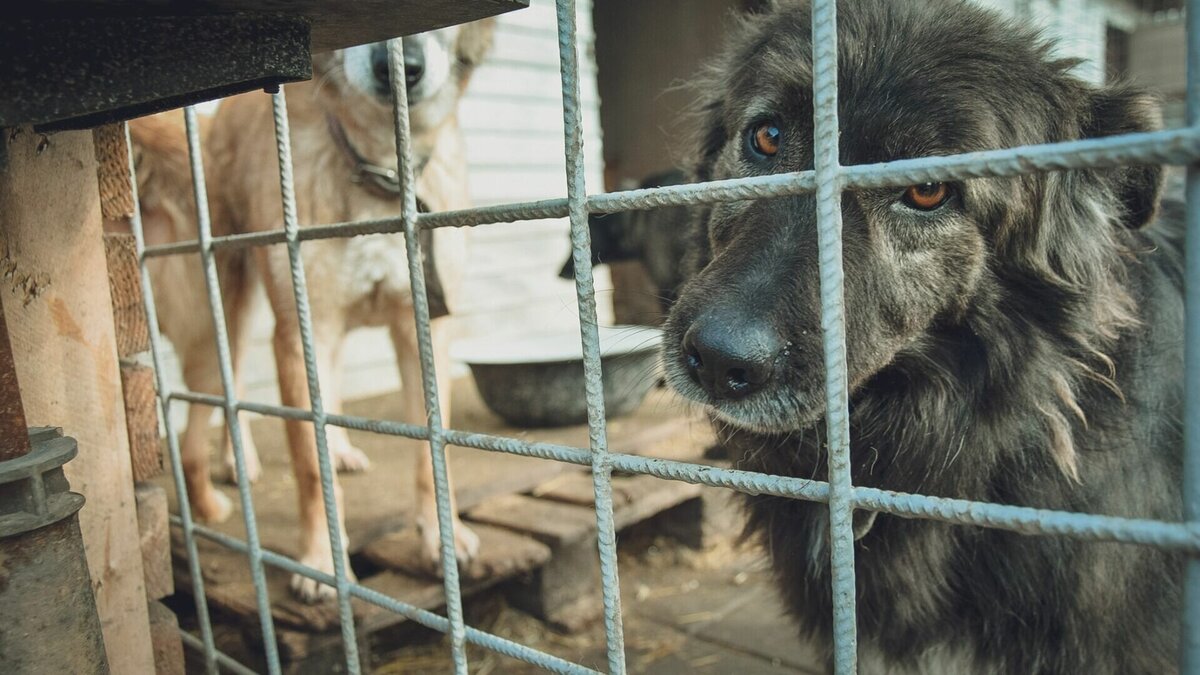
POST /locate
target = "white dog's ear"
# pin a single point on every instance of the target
(1123, 110)
(475, 41)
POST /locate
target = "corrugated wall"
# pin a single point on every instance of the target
(1078, 26)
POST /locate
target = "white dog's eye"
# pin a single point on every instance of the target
(926, 196)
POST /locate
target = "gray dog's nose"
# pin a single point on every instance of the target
(731, 359)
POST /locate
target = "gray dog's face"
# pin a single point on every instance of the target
(915, 79)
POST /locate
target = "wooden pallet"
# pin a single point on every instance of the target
(535, 519)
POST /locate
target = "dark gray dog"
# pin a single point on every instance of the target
(658, 238)
(1011, 340)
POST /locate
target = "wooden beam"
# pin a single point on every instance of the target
(335, 23)
(56, 302)
(77, 64)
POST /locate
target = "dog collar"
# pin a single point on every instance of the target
(384, 181)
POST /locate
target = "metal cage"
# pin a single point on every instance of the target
(827, 181)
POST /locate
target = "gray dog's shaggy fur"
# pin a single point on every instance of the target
(1019, 344)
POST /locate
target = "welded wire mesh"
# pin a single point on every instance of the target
(827, 181)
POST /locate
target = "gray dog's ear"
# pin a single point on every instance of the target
(1124, 110)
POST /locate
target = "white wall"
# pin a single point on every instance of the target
(1078, 26)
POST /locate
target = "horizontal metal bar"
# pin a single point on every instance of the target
(369, 424)
(422, 616)
(1176, 146)
(224, 660)
(1026, 520)
(248, 239)
(1023, 519)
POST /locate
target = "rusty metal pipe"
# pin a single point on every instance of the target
(48, 617)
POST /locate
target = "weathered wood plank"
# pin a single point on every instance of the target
(59, 315)
(553, 523)
(155, 536)
(502, 554)
(635, 498)
(165, 640)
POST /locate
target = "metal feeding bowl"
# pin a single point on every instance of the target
(537, 380)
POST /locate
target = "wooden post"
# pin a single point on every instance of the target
(56, 302)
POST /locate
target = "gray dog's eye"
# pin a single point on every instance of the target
(764, 139)
(926, 196)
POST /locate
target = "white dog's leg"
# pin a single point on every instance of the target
(315, 548)
(466, 542)
(346, 457)
(249, 449)
(200, 374)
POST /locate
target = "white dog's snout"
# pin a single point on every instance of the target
(360, 65)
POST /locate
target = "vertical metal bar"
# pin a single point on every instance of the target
(833, 327)
(14, 432)
(164, 408)
(291, 228)
(437, 440)
(1190, 643)
(588, 328)
(217, 308)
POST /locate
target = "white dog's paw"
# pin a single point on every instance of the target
(249, 451)
(313, 591)
(466, 543)
(253, 467)
(349, 459)
(346, 458)
(216, 509)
